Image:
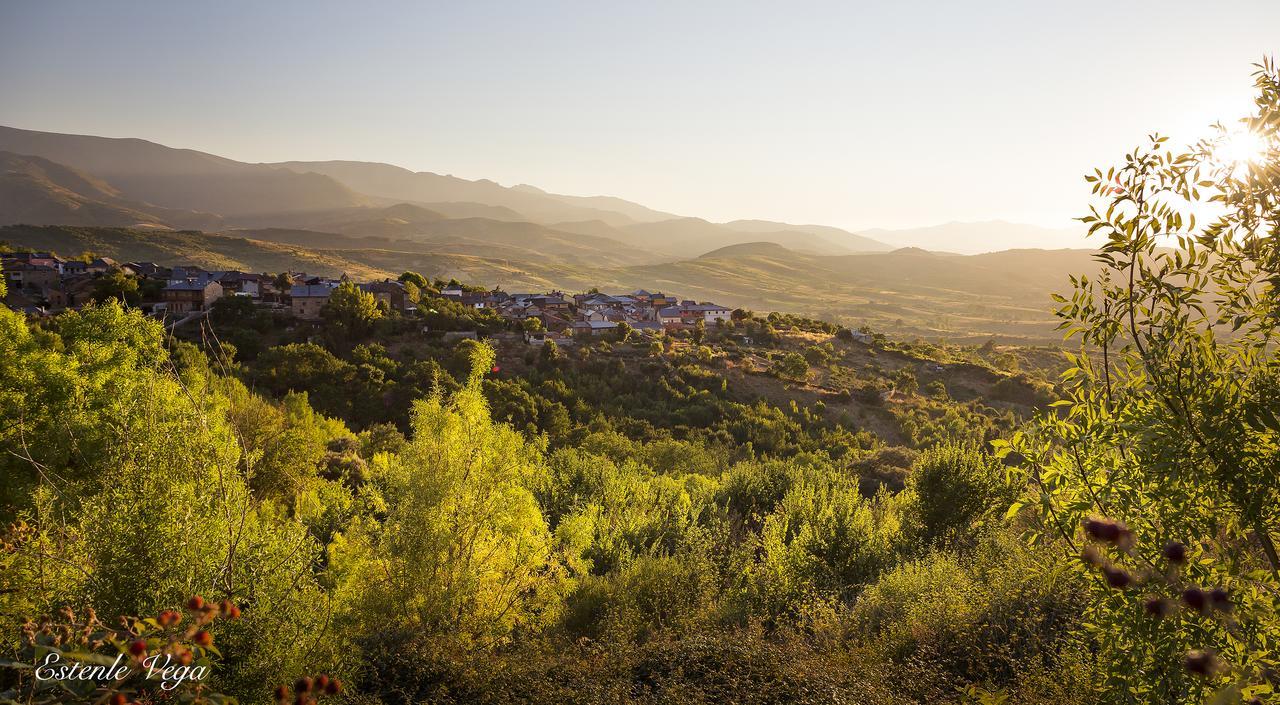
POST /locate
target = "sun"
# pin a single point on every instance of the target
(1241, 147)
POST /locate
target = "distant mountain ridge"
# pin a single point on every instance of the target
(52, 178)
(985, 236)
(388, 181)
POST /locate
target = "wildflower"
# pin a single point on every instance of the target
(1175, 553)
(1194, 598)
(1117, 577)
(1156, 606)
(1201, 662)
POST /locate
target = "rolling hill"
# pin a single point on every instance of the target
(480, 237)
(184, 178)
(842, 238)
(41, 192)
(690, 237)
(387, 181)
(907, 292)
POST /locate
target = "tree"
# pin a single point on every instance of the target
(351, 310)
(953, 489)
(531, 325)
(624, 331)
(464, 551)
(792, 366)
(416, 279)
(699, 332)
(412, 292)
(117, 285)
(904, 381)
(1159, 468)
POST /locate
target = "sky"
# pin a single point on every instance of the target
(853, 114)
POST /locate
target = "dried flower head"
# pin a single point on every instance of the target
(1201, 662)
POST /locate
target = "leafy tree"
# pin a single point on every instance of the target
(1159, 469)
(792, 366)
(119, 286)
(464, 551)
(351, 311)
(416, 279)
(412, 292)
(550, 351)
(699, 332)
(954, 489)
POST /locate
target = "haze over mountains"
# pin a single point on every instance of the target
(130, 198)
(987, 236)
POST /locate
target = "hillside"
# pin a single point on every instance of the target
(907, 292)
(184, 178)
(480, 237)
(842, 238)
(40, 192)
(387, 181)
(690, 237)
(278, 250)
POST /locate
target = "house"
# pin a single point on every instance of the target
(555, 322)
(646, 326)
(670, 316)
(20, 275)
(102, 264)
(148, 270)
(593, 327)
(390, 294)
(186, 272)
(708, 312)
(472, 299)
(241, 283)
(44, 259)
(188, 296)
(554, 301)
(308, 299)
(72, 267)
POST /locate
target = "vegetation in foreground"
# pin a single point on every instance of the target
(574, 526)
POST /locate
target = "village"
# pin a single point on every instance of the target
(43, 283)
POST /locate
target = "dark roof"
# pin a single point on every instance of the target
(189, 285)
(310, 291)
(24, 267)
(384, 287)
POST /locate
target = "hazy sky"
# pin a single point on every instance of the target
(887, 114)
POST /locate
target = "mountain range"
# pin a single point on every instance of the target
(80, 179)
(133, 199)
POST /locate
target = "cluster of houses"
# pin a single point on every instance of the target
(594, 313)
(42, 282)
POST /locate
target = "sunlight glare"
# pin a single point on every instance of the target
(1242, 147)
